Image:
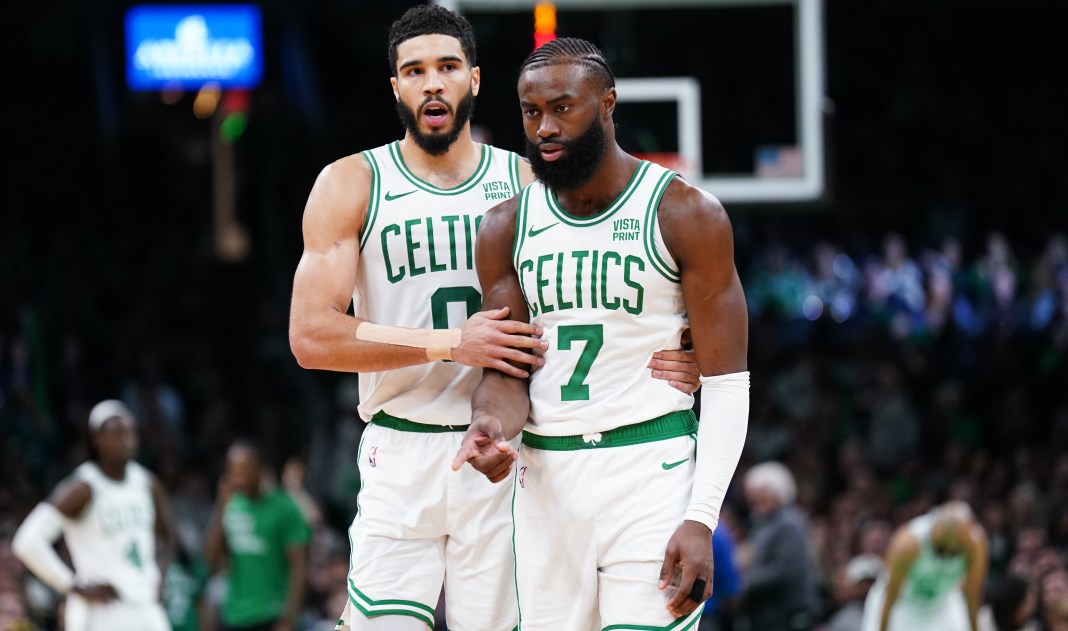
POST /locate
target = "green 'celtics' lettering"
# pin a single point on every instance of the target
(605, 280)
(635, 306)
(413, 245)
(434, 265)
(578, 275)
(391, 276)
(451, 220)
(563, 304)
(428, 245)
(612, 304)
(543, 282)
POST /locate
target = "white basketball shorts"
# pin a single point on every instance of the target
(419, 524)
(114, 616)
(949, 613)
(593, 516)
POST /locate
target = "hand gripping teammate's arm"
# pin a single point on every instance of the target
(678, 368)
(698, 234)
(500, 404)
(34, 539)
(321, 333)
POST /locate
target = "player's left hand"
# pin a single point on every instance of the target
(487, 449)
(283, 625)
(689, 553)
(678, 368)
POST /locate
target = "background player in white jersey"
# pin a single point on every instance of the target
(613, 257)
(110, 512)
(935, 568)
(392, 231)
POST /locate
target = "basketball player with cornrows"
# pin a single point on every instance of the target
(610, 498)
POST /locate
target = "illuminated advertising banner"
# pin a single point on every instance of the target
(188, 46)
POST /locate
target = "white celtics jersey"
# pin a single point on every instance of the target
(417, 269)
(114, 540)
(931, 577)
(608, 294)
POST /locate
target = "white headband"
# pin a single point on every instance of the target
(106, 410)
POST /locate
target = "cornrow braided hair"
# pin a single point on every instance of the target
(572, 50)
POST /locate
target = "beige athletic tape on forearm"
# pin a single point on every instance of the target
(437, 342)
(720, 438)
(33, 546)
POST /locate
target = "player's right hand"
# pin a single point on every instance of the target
(487, 449)
(487, 340)
(96, 592)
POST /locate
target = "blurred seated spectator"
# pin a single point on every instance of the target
(851, 588)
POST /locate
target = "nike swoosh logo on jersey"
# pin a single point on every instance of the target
(667, 466)
(390, 196)
(533, 233)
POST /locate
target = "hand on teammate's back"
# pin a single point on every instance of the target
(486, 448)
(487, 340)
(96, 592)
(678, 368)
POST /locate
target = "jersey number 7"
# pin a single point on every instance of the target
(593, 334)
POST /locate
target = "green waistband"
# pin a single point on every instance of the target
(404, 425)
(670, 425)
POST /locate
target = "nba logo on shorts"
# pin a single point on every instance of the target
(522, 477)
(372, 458)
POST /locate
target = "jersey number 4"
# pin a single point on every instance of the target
(133, 553)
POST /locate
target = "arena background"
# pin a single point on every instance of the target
(908, 328)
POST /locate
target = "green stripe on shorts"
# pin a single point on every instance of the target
(685, 623)
(670, 425)
(391, 607)
(404, 425)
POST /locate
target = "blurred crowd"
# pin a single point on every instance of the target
(886, 381)
(917, 296)
(891, 380)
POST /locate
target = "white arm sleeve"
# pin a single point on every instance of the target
(33, 546)
(720, 438)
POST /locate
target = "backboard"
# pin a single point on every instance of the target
(729, 92)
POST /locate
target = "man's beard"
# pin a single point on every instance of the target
(438, 142)
(576, 167)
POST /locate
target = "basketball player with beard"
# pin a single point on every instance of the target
(617, 489)
(392, 230)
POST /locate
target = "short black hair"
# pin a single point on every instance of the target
(248, 444)
(572, 50)
(430, 19)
